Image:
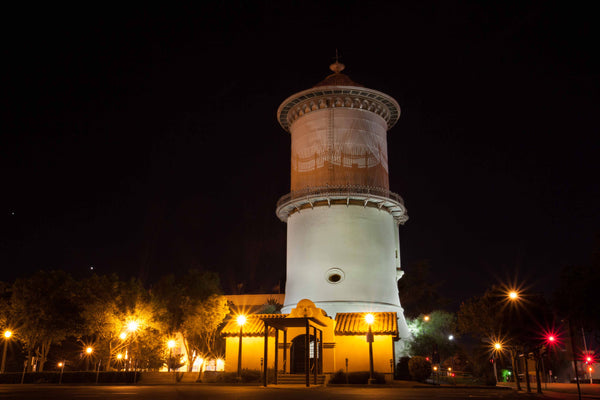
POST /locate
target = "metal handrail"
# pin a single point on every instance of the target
(345, 190)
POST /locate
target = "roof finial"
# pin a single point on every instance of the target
(337, 66)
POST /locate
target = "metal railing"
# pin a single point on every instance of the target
(341, 191)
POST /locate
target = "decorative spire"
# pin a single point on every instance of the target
(337, 66)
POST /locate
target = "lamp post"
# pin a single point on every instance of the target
(132, 327)
(120, 360)
(497, 349)
(61, 365)
(88, 351)
(170, 344)
(241, 320)
(7, 335)
(369, 319)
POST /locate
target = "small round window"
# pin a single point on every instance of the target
(334, 275)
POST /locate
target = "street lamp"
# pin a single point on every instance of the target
(133, 326)
(170, 344)
(61, 365)
(88, 351)
(241, 320)
(426, 318)
(369, 319)
(497, 349)
(7, 335)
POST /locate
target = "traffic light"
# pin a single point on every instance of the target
(589, 358)
(551, 338)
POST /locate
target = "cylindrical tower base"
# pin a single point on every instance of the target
(344, 258)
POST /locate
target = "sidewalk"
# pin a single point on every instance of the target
(588, 391)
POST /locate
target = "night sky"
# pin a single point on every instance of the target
(145, 141)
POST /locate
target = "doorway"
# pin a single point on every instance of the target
(298, 354)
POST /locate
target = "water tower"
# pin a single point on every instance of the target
(343, 249)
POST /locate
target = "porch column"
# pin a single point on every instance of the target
(307, 354)
(266, 353)
(276, 354)
(321, 351)
(315, 355)
(285, 351)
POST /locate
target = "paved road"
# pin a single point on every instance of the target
(182, 392)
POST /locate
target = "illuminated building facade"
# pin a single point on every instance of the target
(343, 250)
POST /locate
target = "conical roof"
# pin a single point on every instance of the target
(337, 78)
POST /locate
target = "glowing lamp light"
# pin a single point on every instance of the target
(435, 368)
(89, 350)
(220, 364)
(551, 338)
(449, 368)
(60, 365)
(513, 295)
(588, 359)
(241, 320)
(123, 336)
(133, 326)
(119, 356)
(426, 318)
(7, 334)
(497, 346)
(369, 318)
(451, 337)
(171, 343)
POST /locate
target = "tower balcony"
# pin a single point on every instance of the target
(364, 196)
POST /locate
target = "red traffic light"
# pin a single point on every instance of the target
(551, 337)
(588, 359)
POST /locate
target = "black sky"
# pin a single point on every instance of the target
(144, 141)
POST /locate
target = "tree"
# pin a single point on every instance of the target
(494, 318)
(432, 335)
(419, 368)
(47, 311)
(272, 306)
(118, 316)
(5, 307)
(573, 298)
(201, 326)
(195, 308)
(494, 315)
(418, 294)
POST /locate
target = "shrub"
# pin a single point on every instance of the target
(338, 378)
(357, 378)
(402, 372)
(419, 368)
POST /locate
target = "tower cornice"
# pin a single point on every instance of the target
(353, 195)
(322, 97)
